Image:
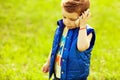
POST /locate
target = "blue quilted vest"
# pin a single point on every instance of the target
(75, 64)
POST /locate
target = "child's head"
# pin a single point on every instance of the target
(78, 6)
(72, 9)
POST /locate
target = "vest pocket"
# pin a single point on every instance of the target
(82, 55)
(78, 67)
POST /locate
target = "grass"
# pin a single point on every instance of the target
(26, 34)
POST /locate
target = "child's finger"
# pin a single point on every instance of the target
(45, 70)
(83, 15)
(77, 22)
(88, 15)
(87, 12)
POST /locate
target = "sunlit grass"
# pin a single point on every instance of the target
(26, 33)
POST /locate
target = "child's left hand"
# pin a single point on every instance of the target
(82, 20)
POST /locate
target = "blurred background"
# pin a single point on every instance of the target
(26, 33)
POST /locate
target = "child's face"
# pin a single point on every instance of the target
(69, 18)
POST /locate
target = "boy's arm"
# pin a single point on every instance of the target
(83, 41)
(46, 66)
(48, 60)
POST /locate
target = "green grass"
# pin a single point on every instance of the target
(26, 33)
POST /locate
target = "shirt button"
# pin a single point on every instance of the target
(64, 48)
(63, 60)
(52, 56)
(62, 72)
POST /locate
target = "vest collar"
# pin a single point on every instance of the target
(60, 23)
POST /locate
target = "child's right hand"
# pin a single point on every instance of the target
(82, 20)
(46, 67)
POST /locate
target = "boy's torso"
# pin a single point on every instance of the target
(72, 59)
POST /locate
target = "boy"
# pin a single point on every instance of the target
(73, 42)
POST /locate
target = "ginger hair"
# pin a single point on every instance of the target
(78, 6)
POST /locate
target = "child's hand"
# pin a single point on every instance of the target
(82, 20)
(45, 67)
